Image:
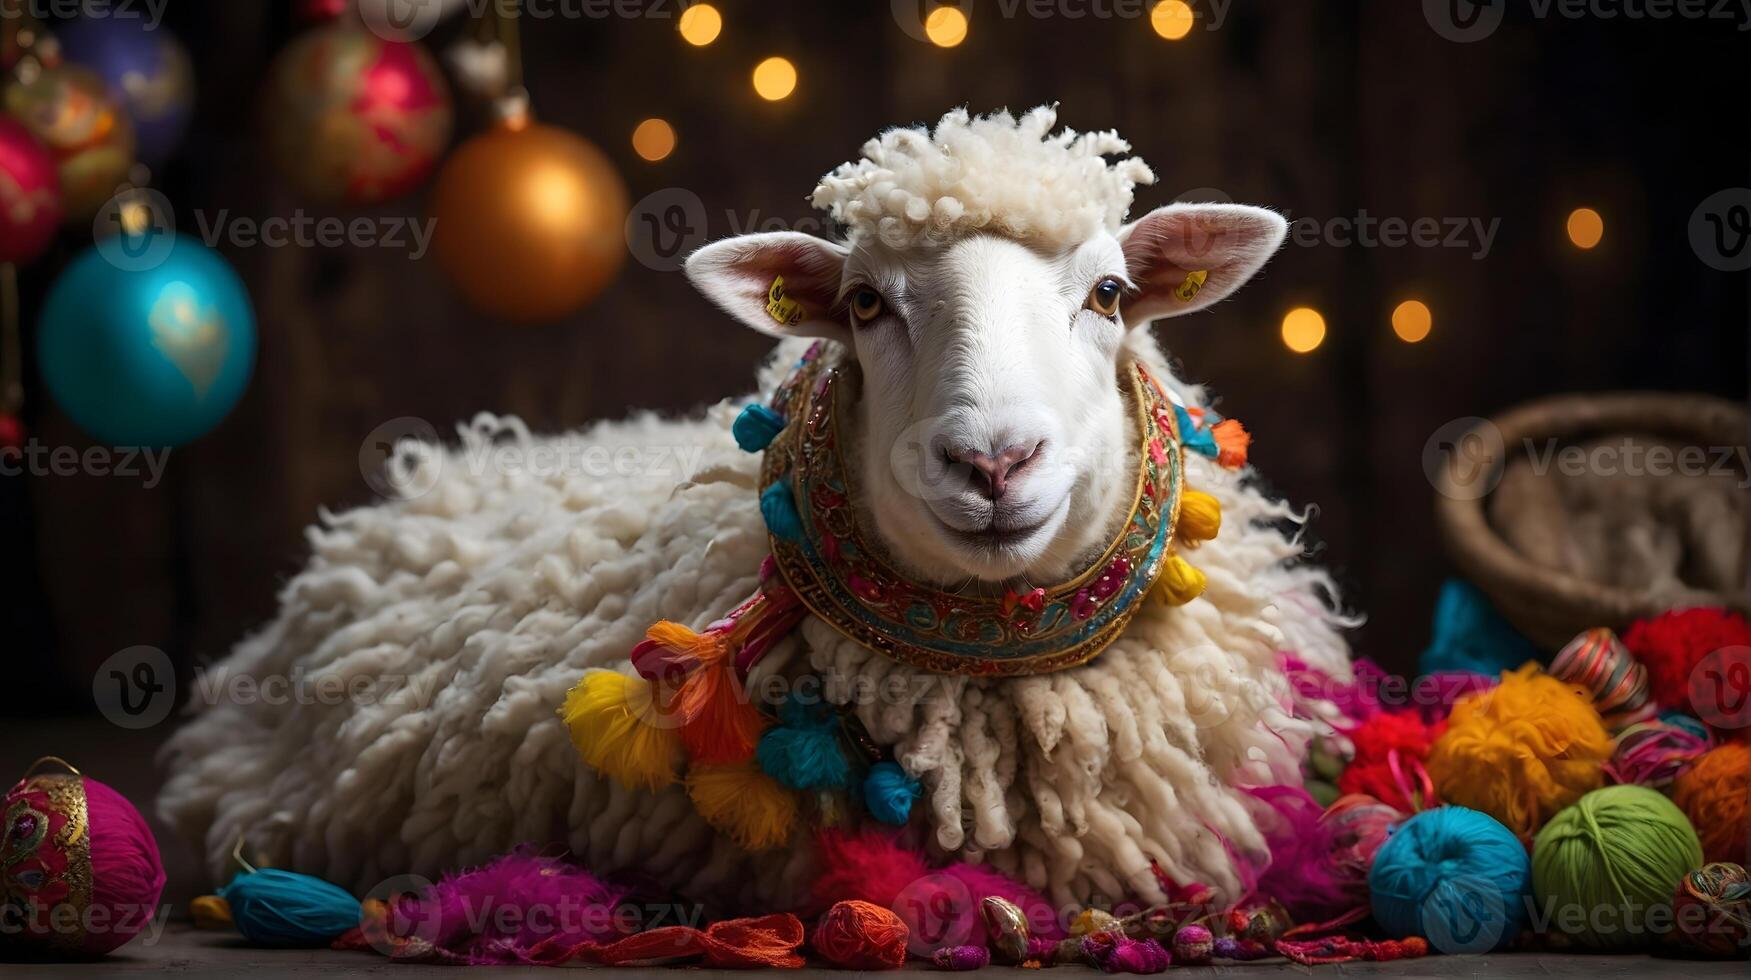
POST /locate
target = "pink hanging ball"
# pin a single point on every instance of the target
(80, 873)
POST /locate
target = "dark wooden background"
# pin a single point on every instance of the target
(1322, 108)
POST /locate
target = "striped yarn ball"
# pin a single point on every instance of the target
(1598, 661)
(1654, 753)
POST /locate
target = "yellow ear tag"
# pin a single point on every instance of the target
(780, 306)
(1188, 289)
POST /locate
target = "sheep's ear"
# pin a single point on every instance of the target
(783, 283)
(1184, 257)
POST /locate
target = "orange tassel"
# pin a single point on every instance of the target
(1232, 441)
(718, 724)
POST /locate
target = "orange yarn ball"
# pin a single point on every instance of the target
(857, 935)
(1522, 750)
(1713, 793)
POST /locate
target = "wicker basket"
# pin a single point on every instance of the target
(1547, 605)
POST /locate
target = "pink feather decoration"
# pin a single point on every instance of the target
(1300, 874)
(498, 912)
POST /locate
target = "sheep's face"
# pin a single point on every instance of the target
(992, 437)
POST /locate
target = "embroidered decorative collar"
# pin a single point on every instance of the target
(843, 575)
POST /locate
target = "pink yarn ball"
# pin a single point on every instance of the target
(82, 870)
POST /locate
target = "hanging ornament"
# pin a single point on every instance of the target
(529, 217)
(148, 71)
(147, 356)
(353, 118)
(11, 367)
(70, 109)
(30, 193)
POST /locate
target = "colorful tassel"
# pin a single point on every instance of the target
(756, 427)
(744, 804)
(778, 507)
(1200, 517)
(284, 909)
(718, 724)
(803, 752)
(210, 912)
(1232, 443)
(888, 793)
(1179, 583)
(617, 729)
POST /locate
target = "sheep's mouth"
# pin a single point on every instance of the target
(994, 536)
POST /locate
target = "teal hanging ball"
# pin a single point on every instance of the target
(756, 427)
(147, 348)
(778, 507)
(888, 793)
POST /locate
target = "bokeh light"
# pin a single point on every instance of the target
(1586, 227)
(1172, 19)
(946, 26)
(1303, 329)
(774, 79)
(1412, 321)
(700, 24)
(654, 139)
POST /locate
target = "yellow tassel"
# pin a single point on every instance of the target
(1180, 583)
(747, 805)
(619, 730)
(1200, 517)
(210, 912)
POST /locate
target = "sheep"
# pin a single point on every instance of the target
(987, 287)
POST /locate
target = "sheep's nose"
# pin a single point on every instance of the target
(991, 473)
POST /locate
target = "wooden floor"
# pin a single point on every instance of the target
(183, 952)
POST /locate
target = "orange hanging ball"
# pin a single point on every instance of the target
(529, 220)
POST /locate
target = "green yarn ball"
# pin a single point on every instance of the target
(1605, 869)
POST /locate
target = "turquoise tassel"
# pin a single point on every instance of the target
(1201, 441)
(778, 506)
(888, 793)
(756, 427)
(803, 752)
(285, 909)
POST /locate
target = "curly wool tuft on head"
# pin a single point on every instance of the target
(997, 173)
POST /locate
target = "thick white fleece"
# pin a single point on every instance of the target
(490, 594)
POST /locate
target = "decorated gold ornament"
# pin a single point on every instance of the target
(71, 111)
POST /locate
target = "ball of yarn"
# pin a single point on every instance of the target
(1193, 944)
(1604, 870)
(1713, 793)
(1114, 952)
(285, 909)
(1389, 746)
(1521, 751)
(1654, 753)
(888, 793)
(857, 935)
(1358, 826)
(960, 958)
(1454, 876)
(1598, 661)
(1711, 912)
(1672, 644)
(64, 829)
(1470, 635)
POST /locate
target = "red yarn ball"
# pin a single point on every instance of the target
(1376, 739)
(861, 936)
(1672, 644)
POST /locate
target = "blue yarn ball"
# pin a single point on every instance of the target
(1454, 876)
(1469, 635)
(888, 793)
(756, 427)
(778, 507)
(802, 752)
(278, 908)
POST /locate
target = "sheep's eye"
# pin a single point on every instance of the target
(1104, 297)
(866, 304)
